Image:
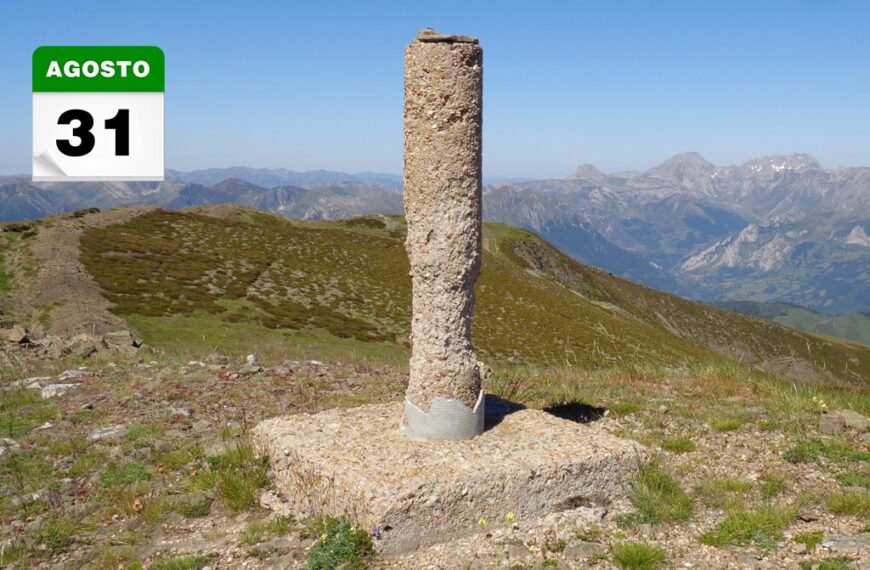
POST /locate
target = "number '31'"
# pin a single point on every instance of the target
(120, 123)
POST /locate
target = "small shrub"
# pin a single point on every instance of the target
(678, 444)
(856, 503)
(125, 474)
(658, 497)
(638, 556)
(340, 544)
(809, 539)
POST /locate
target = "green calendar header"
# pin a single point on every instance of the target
(98, 68)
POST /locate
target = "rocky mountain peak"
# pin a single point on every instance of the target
(683, 168)
(234, 184)
(798, 162)
(588, 172)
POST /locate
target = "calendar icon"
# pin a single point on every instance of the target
(98, 113)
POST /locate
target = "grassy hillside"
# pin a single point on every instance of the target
(851, 326)
(147, 451)
(213, 276)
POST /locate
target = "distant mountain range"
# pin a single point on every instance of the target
(775, 229)
(779, 228)
(272, 177)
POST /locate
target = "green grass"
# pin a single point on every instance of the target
(192, 335)
(173, 460)
(810, 539)
(622, 408)
(855, 503)
(136, 433)
(25, 472)
(852, 326)
(854, 479)
(637, 556)
(723, 493)
(258, 531)
(762, 527)
(678, 444)
(7, 241)
(196, 562)
(658, 497)
(835, 450)
(340, 545)
(729, 423)
(53, 535)
(238, 477)
(839, 563)
(555, 545)
(13, 422)
(195, 508)
(772, 485)
(123, 474)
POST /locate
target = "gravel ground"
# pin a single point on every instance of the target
(105, 473)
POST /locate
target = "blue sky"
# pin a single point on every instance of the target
(623, 85)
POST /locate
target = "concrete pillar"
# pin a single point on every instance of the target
(442, 199)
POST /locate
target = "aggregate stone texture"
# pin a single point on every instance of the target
(413, 493)
(442, 202)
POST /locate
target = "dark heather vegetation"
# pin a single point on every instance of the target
(350, 280)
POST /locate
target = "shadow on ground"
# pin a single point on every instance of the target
(577, 412)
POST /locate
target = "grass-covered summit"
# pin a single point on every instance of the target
(225, 277)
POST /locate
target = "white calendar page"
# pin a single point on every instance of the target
(98, 113)
(144, 158)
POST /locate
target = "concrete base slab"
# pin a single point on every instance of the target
(413, 493)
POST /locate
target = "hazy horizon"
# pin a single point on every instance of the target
(496, 175)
